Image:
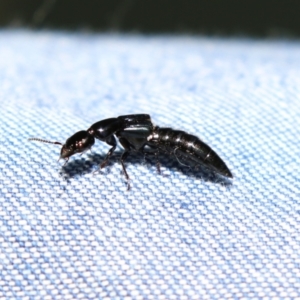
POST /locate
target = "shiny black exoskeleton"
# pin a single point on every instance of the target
(136, 133)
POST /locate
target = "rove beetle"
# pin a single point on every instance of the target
(136, 133)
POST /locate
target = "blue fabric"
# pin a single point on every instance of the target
(67, 233)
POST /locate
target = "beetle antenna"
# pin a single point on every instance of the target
(45, 141)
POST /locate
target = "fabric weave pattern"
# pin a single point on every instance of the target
(67, 233)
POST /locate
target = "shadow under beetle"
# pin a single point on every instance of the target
(136, 133)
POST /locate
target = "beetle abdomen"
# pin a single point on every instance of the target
(188, 148)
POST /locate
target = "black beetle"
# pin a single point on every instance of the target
(136, 133)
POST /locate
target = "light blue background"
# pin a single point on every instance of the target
(66, 233)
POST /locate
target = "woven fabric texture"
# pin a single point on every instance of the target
(67, 232)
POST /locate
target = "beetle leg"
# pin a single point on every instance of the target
(123, 157)
(156, 153)
(112, 142)
(178, 158)
(125, 154)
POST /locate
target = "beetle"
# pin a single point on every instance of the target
(137, 133)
